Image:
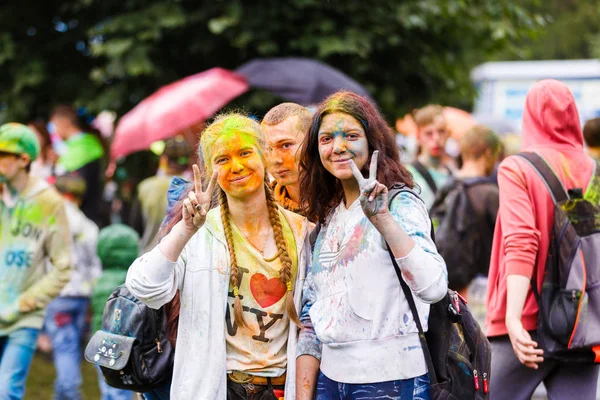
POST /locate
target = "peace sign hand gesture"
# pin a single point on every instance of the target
(373, 195)
(197, 204)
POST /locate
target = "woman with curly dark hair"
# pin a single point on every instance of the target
(360, 339)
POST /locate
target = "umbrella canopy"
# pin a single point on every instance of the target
(301, 80)
(174, 108)
(458, 121)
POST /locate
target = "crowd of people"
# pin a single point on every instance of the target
(271, 250)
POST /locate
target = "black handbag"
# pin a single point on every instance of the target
(132, 348)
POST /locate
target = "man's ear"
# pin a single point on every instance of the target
(25, 160)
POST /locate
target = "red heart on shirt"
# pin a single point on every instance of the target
(266, 292)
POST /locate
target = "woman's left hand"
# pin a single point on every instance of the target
(373, 195)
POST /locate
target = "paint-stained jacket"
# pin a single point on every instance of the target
(202, 275)
(354, 311)
(34, 228)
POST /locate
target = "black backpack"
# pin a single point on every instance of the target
(457, 352)
(568, 325)
(457, 232)
(132, 348)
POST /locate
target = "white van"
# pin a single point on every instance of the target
(502, 86)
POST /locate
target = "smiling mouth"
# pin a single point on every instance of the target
(344, 161)
(282, 171)
(239, 179)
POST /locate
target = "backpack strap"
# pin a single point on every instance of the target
(554, 185)
(422, 170)
(392, 193)
(557, 192)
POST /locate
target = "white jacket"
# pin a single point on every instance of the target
(202, 275)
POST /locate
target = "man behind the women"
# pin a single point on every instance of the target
(432, 168)
(66, 319)
(33, 226)
(152, 192)
(552, 129)
(285, 127)
(82, 154)
(479, 149)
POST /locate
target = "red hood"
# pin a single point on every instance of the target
(550, 118)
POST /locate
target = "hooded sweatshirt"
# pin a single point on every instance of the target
(34, 228)
(552, 129)
(117, 248)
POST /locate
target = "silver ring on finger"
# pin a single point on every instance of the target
(198, 207)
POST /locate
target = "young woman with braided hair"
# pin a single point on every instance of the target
(239, 270)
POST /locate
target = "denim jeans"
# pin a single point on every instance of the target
(161, 393)
(16, 352)
(65, 324)
(109, 392)
(405, 389)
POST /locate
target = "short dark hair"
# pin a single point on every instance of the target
(319, 190)
(591, 132)
(68, 112)
(283, 111)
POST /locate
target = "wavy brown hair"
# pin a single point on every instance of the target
(319, 190)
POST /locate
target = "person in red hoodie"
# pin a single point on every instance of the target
(551, 127)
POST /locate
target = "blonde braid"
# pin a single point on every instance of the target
(234, 275)
(285, 274)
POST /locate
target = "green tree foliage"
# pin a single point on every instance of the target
(111, 54)
(571, 31)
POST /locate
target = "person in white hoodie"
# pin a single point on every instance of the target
(246, 258)
(65, 320)
(360, 339)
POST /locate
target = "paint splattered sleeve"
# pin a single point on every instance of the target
(308, 343)
(423, 268)
(58, 249)
(154, 279)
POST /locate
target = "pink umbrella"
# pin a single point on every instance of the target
(174, 108)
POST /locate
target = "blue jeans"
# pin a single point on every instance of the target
(405, 389)
(109, 392)
(16, 353)
(65, 324)
(162, 393)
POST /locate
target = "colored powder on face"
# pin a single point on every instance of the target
(232, 146)
(233, 125)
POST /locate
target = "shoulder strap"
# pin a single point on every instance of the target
(557, 192)
(392, 193)
(417, 319)
(554, 185)
(425, 174)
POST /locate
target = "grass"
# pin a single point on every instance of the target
(40, 383)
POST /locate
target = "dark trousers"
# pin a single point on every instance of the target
(511, 380)
(236, 391)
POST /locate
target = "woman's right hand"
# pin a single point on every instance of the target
(197, 204)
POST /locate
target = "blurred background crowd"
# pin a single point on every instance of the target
(118, 92)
